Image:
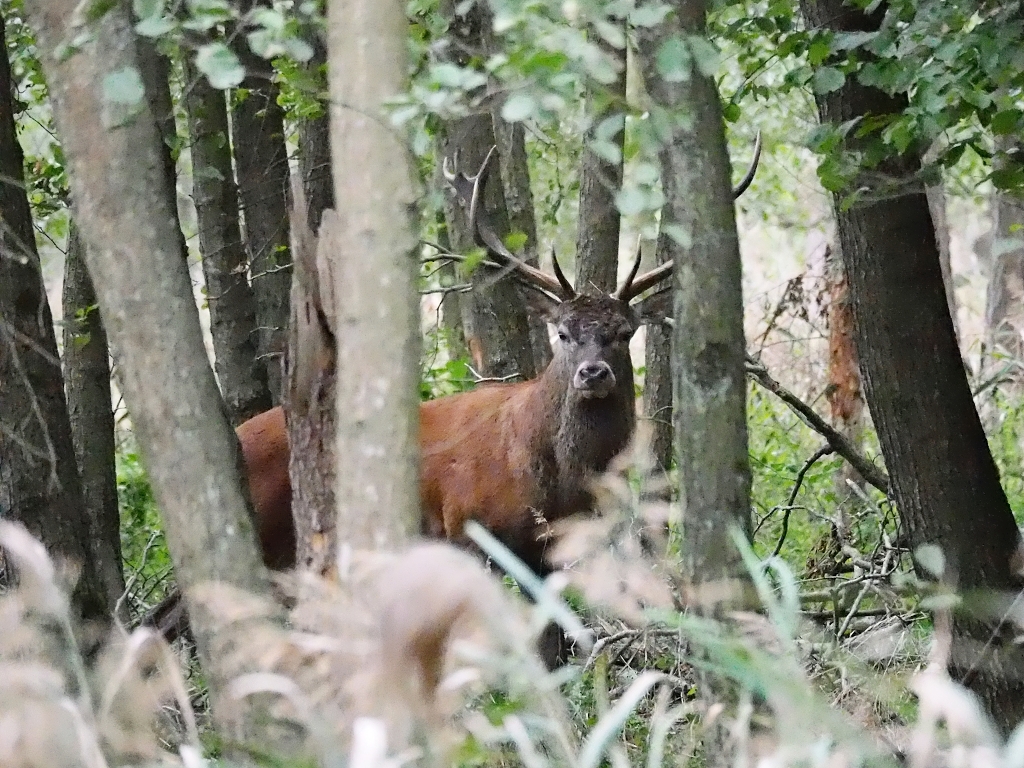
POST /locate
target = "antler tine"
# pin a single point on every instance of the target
(449, 172)
(625, 287)
(646, 280)
(567, 290)
(748, 177)
(471, 190)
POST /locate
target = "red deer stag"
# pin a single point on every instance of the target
(511, 456)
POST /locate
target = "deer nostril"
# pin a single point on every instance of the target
(594, 372)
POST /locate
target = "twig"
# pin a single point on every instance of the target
(839, 443)
(625, 634)
(825, 450)
(479, 378)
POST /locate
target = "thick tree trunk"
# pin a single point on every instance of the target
(39, 482)
(232, 303)
(376, 266)
(943, 478)
(261, 167)
(315, 148)
(708, 346)
(658, 376)
(510, 139)
(191, 452)
(597, 236)
(87, 380)
(494, 319)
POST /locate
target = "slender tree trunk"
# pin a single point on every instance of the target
(1004, 305)
(943, 478)
(87, 380)
(845, 397)
(708, 346)
(597, 237)
(191, 452)
(261, 167)
(155, 70)
(495, 322)
(376, 269)
(451, 302)
(510, 139)
(315, 147)
(937, 205)
(39, 482)
(242, 377)
(658, 376)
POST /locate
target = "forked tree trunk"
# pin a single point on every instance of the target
(597, 236)
(155, 70)
(708, 344)
(494, 319)
(87, 381)
(658, 376)
(242, 377)
(943, 478)
(39, 482)
(1004, 305)
(261, 167)
(510, 139)
(190, 450)
(315, 147)
(375, 275)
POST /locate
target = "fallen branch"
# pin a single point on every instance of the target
(836, 440)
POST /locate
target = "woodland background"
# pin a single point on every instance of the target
(889, 616)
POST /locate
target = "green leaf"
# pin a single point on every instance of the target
(1005, 122)
(519, 107)
(649, 15)
(827, 79)
(705, 54)
(145, 9)
(154, 26)
(672, 60)
(220, 65)
(123, 87)
(630, 201)
(679, 233)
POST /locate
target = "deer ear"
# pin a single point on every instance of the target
(539, 304)
(655, 309)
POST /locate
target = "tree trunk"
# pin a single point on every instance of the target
(942, 474)
(39, 482)
(510, 139)
(597, 237)
(1004, 304)
(708, 347)
(191, 452)
(658, 376)
(844, 393)
(315, 148)
(937, 205)
(261, 167)
(494, 319)
(87, 380)
(376, 268)
(156, 71)
(242, 377)
(451, 302)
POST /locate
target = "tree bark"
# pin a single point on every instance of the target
(494, 318)
(942, 475)
(261, 167)
(1004, 304)
(510, 139)
(844, 393)
(708, 346)
(242, 377)
(191, 452)
(39, 482)
(937, 205)
(155, 70)
(87, 381)
(376, 268)
(658, 376)
(315, 148)
(597, 236)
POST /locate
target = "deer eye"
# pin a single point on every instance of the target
(563, 336)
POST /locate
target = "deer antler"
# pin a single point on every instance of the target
(634, 286)
(470, 190)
